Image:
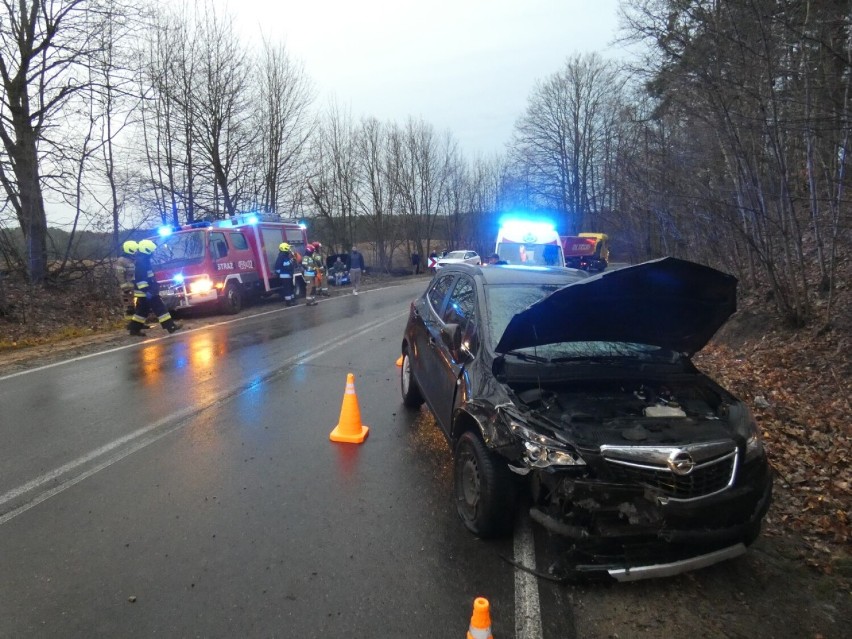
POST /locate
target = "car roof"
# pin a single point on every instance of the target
(497, 274)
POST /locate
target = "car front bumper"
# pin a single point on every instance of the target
(670, 569)
(628, 534)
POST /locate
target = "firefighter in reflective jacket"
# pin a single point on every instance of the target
(125, 268)
(310, 266)
(147, 293)
(285, 266)
(322, 284)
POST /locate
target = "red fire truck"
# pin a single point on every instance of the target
(222, 263)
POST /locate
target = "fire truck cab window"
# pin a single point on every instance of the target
(296, 239)
(218, 245)
(238, 241)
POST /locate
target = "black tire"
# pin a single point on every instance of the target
(485, 491)
(411, 395)
(232, 300)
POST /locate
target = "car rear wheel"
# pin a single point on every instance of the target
(484, 489)
(411, 395)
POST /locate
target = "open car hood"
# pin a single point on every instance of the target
(668, 302)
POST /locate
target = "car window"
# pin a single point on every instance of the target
(461, 308)
(438, 291)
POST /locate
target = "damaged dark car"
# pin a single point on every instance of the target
(576, 397)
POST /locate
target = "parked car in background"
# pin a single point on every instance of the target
(577, 394)
(458, 257)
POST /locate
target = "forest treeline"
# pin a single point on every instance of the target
(723, 138)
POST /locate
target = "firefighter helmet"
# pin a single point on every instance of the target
(317, 246)
(147, 247)
(309, 249)
(284, 247)
(130, 247)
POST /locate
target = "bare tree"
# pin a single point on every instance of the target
(420, 169)
(559, 140)
(284, 126)
(221, 107)
(334, 180)
(378, 197)
(44, 49)
(763, 86)
(166, 117)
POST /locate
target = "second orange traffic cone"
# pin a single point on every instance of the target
(349, 428)
(480, 620)
(399, 361)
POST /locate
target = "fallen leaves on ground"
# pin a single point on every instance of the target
(798, 386)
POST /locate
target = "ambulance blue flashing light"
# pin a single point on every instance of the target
(252, 219)
(515, 226)
(178, 278)
(164, 231)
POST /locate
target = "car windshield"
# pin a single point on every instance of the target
(180, 248)
(504, 302)
(454, 255)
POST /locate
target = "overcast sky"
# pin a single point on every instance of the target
(463, 65)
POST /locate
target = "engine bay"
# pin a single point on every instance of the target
(635, 409)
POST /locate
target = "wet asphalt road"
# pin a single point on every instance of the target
(185, 486)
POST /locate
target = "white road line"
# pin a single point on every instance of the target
(135, 439)
(527, 605)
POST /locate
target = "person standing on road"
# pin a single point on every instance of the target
(285, 266)
(309, 274)
(322, 283)
(356, 267)
(125, 268)
(148, 293)
(415, 262)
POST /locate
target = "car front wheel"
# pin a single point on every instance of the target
(411, 395)
(484, 489)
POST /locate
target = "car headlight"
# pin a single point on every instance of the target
(754, 447)
(202, 285)
(745, 425)
(541, 451)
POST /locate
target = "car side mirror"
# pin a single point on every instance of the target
(451, 335)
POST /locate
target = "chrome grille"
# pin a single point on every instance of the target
(715, 467)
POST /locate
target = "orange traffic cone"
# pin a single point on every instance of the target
(480, 620)
(399, 361)
(349, 428)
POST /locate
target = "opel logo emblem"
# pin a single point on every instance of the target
(681, 463)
